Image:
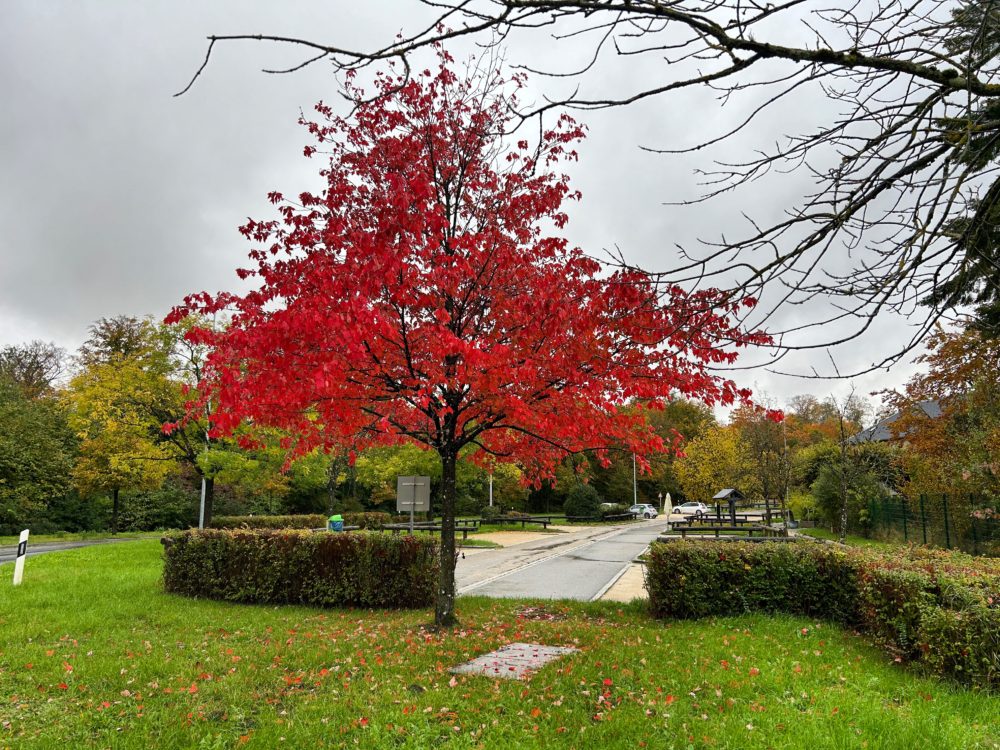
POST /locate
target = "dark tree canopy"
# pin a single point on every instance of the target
(902, 218)
(35, 367)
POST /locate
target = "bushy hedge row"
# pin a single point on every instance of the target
(939, 608)
(310, 521)
(614, 509)
(300, 567)
(371, 520)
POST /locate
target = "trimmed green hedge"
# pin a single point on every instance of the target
(372, 520)
(939, 608)
(301, 567)
(310, 521)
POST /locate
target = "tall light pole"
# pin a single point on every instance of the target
(635, 495)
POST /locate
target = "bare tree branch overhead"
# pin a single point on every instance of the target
(902, 219)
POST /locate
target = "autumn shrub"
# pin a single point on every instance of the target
(939, 608)
(582, 501)
(491, 513)
(265, 566)
(305, 521)
(698, 579)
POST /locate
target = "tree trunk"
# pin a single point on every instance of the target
(209, 499)
(114, 511)
(843, 481)
(444, 612)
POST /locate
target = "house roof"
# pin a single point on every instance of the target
(729, 492)
(881, 430)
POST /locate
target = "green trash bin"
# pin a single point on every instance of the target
(335, 523)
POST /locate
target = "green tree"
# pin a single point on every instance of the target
(35, 367)
(36, 456)
(846, 483)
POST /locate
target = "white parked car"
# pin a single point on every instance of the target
(692, 509)
(643, 509)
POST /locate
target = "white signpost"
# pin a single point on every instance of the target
(412, 494)
(22, 551)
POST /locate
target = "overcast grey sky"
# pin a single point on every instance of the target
(117, 198)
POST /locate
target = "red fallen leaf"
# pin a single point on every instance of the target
(536, 712)
(63, 686)
(29, 665)
(754, 671)
(49, 652)
(67, 666)
(193, 689)
(669, 699)
(608, 682)
(363, 722)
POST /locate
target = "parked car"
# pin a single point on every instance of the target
(691, 509)
(643, 509)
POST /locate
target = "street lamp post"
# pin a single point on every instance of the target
(635, 494)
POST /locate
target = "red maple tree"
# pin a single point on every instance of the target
(424, 296)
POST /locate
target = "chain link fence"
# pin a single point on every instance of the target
(965, 522)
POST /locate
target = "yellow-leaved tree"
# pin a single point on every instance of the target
(120, 447)
(715, 460)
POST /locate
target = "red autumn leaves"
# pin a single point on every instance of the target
(420, 296)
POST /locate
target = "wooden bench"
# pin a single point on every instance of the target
(544, 521)
(397, 528)
(730, 531)
(713, 521)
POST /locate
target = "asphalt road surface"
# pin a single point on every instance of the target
(577, 565)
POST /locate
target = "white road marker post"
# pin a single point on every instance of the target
(22, 551)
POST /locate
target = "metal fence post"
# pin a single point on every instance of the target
(947, 533)
(923, 517)
(906, 511)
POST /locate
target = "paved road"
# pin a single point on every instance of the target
(8, 554)
(578, 565)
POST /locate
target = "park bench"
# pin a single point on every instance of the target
(501, 520)
(397, 528)
(744, 532)
(714, 521)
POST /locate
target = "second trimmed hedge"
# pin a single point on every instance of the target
(939, 608)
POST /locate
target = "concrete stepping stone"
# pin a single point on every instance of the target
(514, 661)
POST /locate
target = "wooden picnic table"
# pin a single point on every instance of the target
(731, 531)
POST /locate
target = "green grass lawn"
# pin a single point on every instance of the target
(93, 654)
(854, 541)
